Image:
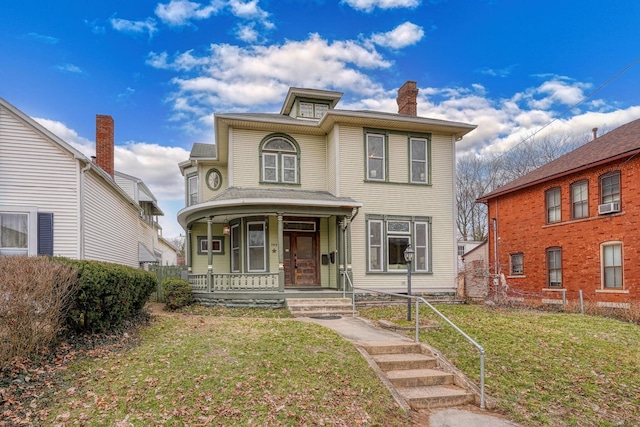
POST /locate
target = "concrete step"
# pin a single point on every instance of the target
(419, 377)
(392, 347)
(435, 396)
(395, 362)
(313, 307)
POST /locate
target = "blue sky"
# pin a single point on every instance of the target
(163, 68)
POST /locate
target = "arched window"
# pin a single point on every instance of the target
(280, 158)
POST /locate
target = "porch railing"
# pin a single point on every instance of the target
(235, 282)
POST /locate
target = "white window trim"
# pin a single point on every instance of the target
(425, 160)
(264, 247)
(295, 168)
(264, 167)
(602, 265)
(32, 225)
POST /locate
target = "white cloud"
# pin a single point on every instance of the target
(233, 78)
(181, 12)
(247, 33)
(156, 165)
(43, 38)
(369, 5)
(69, 68)
(134, 27)
(402, 36)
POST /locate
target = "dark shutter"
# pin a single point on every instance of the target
(45, 233)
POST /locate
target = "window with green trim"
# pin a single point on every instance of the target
(389, 238)
(192, 190)
(418, 150)
(376, 157)
(279, 161)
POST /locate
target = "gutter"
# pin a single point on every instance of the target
(82, 214)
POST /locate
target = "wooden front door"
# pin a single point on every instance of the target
(301, 259)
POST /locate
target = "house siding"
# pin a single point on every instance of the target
(400, 198)
(36, 173)
(522, 228)
(246, 160)
(111, 224)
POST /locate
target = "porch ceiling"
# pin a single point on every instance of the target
(244, 201)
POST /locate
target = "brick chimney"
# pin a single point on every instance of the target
(408, 99)
(104, 143)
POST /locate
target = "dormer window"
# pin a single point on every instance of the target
(279, 160)
(312, 110)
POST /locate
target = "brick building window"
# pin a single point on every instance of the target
(580, 199)
(611, 262)
(554, 267)
(552, 197)
(610, 187)
(516, 264)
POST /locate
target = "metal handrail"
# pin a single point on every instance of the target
(418, 300)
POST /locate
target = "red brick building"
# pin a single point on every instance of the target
(573, 224)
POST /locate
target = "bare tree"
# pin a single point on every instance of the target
(477, 176)
(178, 242)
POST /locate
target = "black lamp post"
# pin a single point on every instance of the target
(408, 257)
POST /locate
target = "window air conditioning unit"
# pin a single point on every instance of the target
(609, 208)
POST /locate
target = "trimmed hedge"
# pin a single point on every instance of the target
(177, 293)
(109, 294)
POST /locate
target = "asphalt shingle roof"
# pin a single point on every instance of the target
(622, 141)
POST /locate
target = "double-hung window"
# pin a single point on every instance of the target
(256, 247)
(516, 264)
(389, 238)
(552, 197)
(14, 233)
(279, 160)
(25, 231)
(192, 190)
(421, 234)
(610, 188)
(579, 199)
(611, 261)
(418, 149)
(235, 248)
(554, 267)
(376, 157)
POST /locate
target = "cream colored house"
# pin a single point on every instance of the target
(316, 198)
(56, 201)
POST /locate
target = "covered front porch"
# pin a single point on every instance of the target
(257, 244)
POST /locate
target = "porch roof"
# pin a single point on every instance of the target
(236, 200)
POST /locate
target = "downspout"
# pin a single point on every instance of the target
(82, 213)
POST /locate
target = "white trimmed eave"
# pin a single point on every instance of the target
(185, 213)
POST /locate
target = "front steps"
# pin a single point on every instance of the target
(415, 375)
(320, 307)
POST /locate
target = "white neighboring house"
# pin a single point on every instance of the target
(169, 254)
(56, 201)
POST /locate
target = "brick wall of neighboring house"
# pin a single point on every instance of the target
(522, 228)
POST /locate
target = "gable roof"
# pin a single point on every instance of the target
(621, 142)
(50, 136)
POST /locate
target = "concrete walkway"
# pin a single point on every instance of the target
(356, 330)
